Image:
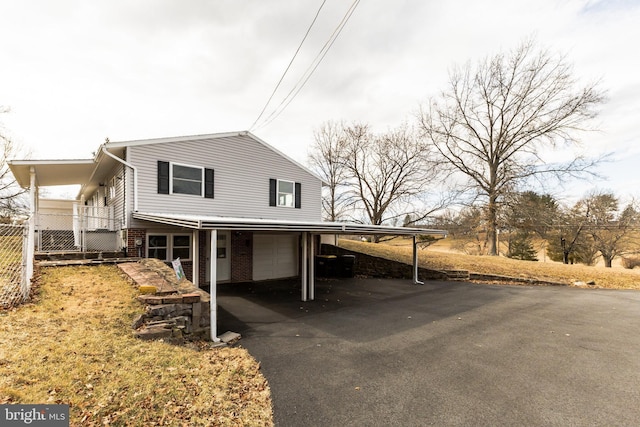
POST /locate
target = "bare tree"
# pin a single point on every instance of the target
(569, 242)
(327, 159)
(11, 203)
(387, 172)
(496, 122)
(609, 227)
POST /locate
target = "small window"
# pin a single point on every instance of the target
(167, 247)
(181, 247)
(187, 180)
(286, 193)
(158, 247)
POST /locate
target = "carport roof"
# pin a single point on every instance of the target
(203, 222)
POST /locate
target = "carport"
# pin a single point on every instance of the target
(309, 232)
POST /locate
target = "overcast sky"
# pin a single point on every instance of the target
(75, 72)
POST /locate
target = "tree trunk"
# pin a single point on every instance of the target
(607, 261)
(492, 225)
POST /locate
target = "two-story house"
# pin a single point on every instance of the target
(231, 207)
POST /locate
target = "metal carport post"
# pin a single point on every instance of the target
(307, 273)
(416, 280)
(213, 291)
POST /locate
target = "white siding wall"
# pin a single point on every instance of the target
(242, 167)
(115, 177)
(119, 201)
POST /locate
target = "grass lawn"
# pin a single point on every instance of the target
(73, 344)
(439, 257)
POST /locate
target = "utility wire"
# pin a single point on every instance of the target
(289, 66)
(311, 69)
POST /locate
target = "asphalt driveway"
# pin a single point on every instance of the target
(373, 352)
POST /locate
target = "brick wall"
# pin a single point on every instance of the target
(132, 235)
(241, 256)
(202, 256)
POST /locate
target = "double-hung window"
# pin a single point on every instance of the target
(286, 193)
(187, 180)
(283, 193)
(167, 247)
(174, 178)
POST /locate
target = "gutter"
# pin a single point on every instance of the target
(135, 176)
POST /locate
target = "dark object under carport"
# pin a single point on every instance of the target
(326, 265)
(346, 265)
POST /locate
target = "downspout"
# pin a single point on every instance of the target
(135, 176)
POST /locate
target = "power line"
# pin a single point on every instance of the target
(289, 66)
(310, 70)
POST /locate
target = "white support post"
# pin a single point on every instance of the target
(416, 281)
(304, 272)
(32, 226)
(213, 303)
(195, 275)
(312, 272)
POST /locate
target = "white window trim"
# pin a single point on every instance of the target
(202, 184)
(293, 193)
(170, 237)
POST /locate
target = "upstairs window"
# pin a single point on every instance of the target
(174, 178)
(187, 180)
(284, 193)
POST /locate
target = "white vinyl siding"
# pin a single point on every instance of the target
(243, 168)
(275, 256)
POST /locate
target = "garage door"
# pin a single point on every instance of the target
(275, 256)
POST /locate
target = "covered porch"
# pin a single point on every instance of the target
(86, 223)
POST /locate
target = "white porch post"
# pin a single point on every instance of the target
(213, 303)
(32, 226)
(416, 281)
(195, 275)
(312, 270)
(304, 272)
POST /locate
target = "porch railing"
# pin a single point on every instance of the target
(86, 229)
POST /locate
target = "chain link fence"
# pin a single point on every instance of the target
(14, 286)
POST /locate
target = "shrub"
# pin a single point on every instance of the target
(631, 262)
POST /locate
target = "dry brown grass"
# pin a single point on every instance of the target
(74, 345)
(440, 257)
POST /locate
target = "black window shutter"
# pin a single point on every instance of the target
(272, 192)
(298, 195)
(163, 177)
(208, 183)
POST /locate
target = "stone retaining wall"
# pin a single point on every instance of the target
(372, 266)
(176, 308)
(172, 316)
